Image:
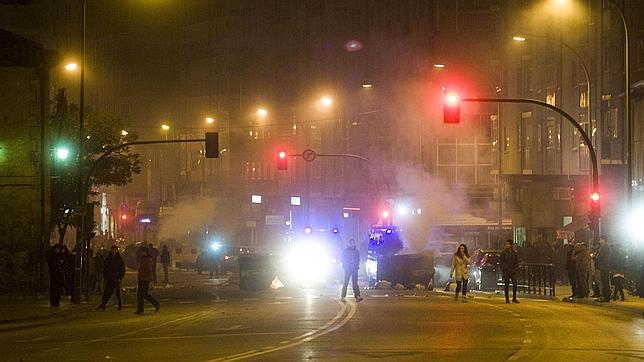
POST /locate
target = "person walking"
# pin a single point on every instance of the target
(603, 264)
(165, 261)
(461, 271)
(145, 277)
(509, 263)
(113, 273)
(154, 253)
(351, 264)
(56, 266)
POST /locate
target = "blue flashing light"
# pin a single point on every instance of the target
(335, 230)
(308, 230)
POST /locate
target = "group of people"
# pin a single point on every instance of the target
(106, 274)
(114, 271)
(595, 270)
(509, 264)
(60, 262)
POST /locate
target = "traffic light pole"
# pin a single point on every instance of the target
(83, 248)
(582, 132)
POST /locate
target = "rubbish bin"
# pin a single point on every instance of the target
(256, 272)
(407, 269)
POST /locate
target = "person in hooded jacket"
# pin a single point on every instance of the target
(113, 273)
(145, 277)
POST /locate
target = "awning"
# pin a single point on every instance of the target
(568, 231)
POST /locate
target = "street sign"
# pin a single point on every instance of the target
(308, 155)
(274, 219)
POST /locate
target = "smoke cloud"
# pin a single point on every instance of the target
(187, 220)
(436, 200)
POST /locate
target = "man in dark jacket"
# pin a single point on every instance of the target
(509, 263)
(603, 264)
(154, 253)
(571, 268)
(56, 264)
(145, 277)
(351, 264)
(113, 273)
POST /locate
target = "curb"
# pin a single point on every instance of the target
(612, 305)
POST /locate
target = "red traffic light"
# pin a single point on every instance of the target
(452, 99)
(124, 217)
(282, 162)
(452, 108)
(594, 197)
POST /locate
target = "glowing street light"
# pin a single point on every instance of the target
(62, 153)
(439, 65)
(210, 120)
(165, 127)
(262, 112)
(326, 101)
(519, 38)
(71, 67)
(367, 85)
(124, 133)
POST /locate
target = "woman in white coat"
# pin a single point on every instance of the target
(460, 270)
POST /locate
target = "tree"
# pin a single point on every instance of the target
(103, 131)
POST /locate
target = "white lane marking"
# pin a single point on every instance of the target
(513, 357)
(379, 296)
(516, 315)
(527, 341)
(522, 319)
(328, 327)
(37, 339)
(231, 328)
(250, 299)
(529, 332)
(187, 302)
(283, 298)
(212, 335)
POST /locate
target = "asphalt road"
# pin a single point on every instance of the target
(203, 322)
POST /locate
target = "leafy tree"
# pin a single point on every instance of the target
(103, 131)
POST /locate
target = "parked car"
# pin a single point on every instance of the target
(485, 269)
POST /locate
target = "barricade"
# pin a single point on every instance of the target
(533, 278)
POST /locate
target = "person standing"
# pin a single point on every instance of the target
(113, 273)
(56, 265)
(165, 261)
(145, 277)
(603, 264)
(582, 265)
(154, 253)
(509, 266)
(618, 267)
(351, 264)
(461, 271)
(571, 268)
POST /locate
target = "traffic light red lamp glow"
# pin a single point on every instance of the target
(452, 108)
(282, 163)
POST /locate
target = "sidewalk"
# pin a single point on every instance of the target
(631, 304)
(18, 312)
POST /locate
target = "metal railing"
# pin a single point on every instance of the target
(533, 278)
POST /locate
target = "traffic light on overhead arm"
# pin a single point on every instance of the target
(595, 210)
(282, 163)
(212, 144)
(451, 108)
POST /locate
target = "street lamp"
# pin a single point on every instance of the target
(71, 67)
(326, 101)
(262, 113)
(210, 120)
